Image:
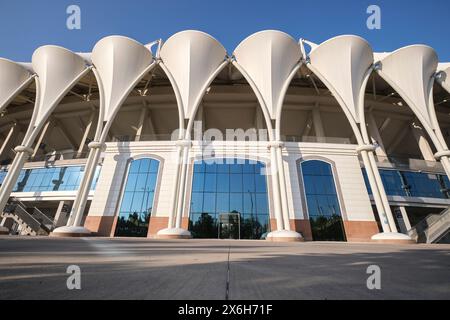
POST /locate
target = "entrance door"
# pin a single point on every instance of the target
(229, 226)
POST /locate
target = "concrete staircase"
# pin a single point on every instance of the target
(432, 229)
(30, 221)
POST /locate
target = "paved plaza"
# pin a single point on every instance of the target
(123, 268)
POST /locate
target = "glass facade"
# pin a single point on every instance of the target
(322, 201)
(137, 200)
(50, 179)
(413, 184)
(229, 186)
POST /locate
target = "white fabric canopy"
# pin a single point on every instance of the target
(192, 58)
(343, 62)
(119, 61)
(268, 57)
(57, 69)
(409, 70)
(13, 77)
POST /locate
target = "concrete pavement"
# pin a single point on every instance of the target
(119, 268)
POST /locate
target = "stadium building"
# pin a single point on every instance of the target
(281, 140)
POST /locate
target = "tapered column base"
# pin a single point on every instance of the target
(392, 238)
(72, 232)
(173, 233)
(284, 236)
(4, 230)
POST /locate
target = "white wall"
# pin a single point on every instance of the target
(355, 202)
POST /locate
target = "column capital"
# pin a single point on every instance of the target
(183, 143)
(96, 145)
(275, 144)
(440, 154)
(366, 147)
(24, 149)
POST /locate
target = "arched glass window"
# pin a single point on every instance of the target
(137, 199)
(322, 201)
(229, 200)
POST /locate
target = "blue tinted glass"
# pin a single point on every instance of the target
(366, 181)
(49, 179)
(250, 202)
(198, 182)
(145, 165)
(260, 182)
(261, 203)
(141, 181)
(211, 168)
(138, 197)
(199, 167)
(134, 166)
(197, 202)
(320, 190)
(423, 184)
(249, 182)
(229, 186)
(223, 182)
(236, 168)
(248, 168)
(209, 203)
(210, 182)
(236, 183)
(236, 202)
(223, 202)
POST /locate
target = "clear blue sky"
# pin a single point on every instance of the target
(28, 24)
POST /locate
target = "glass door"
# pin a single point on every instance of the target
(229, 226)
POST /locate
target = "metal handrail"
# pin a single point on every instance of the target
(144, 137)
(314, 139)
(406, 163)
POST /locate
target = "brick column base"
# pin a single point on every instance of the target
(156, 224)
(100, 225)
(360, 231)
(303, 227)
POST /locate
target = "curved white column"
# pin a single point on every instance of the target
(344, 65)
(58, 70)
(276, 189)
(283, 189)
(269, 60)
(192, 60)
(120, 63)
(411, 72)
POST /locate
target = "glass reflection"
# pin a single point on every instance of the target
(322, 201)
(412, 184)
(137, 199)
(229, 186)
(50, 179)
